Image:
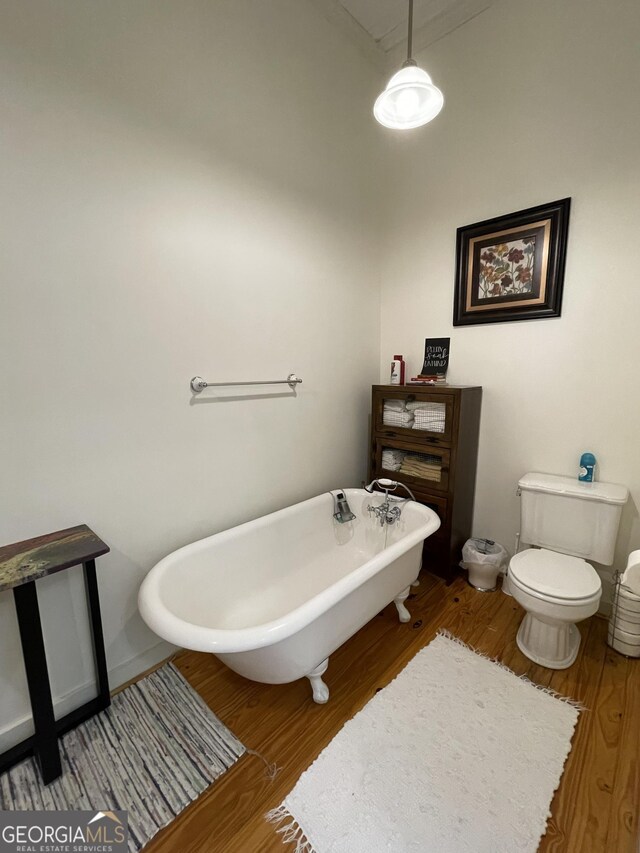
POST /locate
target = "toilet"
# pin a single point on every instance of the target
(564, 522)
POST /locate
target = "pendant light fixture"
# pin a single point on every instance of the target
(410, 98)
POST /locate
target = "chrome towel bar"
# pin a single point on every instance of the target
(198, 383)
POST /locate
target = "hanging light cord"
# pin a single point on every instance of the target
(409, 60)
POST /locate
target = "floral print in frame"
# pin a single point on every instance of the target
(507, 268)
(512, 267)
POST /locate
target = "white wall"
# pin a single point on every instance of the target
(186, 189)
(541, 103)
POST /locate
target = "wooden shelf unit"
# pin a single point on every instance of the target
(440, 462)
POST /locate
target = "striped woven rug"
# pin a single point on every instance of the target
(152, 752)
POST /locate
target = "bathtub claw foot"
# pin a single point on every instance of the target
(320, 689)
(399, 600)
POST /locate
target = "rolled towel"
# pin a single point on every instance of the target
(631, 575)
(393, 451)
(392, 459)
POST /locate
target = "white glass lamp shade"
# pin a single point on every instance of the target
(409, 100)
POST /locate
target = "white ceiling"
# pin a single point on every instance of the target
(379, 27)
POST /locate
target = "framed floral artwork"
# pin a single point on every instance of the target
(512, 267)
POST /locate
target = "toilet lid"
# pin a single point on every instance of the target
(557, 575)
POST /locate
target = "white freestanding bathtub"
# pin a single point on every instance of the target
(274, 597)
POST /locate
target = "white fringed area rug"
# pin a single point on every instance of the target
(154, 750)
(456, 755)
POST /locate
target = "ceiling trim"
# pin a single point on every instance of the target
(438, 27)
(334, 12)
(386, 60)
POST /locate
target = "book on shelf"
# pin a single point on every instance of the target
(427, 380)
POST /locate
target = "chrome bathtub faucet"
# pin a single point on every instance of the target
(341, 509)
(386, 513)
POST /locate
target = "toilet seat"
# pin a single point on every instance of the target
(555, 577)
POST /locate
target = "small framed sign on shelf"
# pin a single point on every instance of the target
(436, 362)
(512, 267)
(436, 357)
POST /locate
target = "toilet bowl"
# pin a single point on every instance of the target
(557, 591)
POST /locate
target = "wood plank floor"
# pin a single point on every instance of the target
(594, 810)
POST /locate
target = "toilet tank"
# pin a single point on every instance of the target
(566, 515)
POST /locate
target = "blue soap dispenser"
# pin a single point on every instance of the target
(587, 468)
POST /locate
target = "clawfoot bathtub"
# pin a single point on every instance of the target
(274, 597)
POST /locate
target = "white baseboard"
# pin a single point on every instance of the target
(127, 670)
(17, 730)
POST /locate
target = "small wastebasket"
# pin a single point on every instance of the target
(484, 559)
(624, 624)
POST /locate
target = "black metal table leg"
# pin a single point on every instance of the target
(45, 740)
(95, 618)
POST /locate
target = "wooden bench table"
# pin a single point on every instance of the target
(21, 565)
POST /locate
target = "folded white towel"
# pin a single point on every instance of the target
(404, 419)
(430, 419)
(427, 407)
(395, 411)
(395, 405)
(421, 414)
(420, 418)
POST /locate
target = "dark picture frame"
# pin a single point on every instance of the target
(512, 267)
